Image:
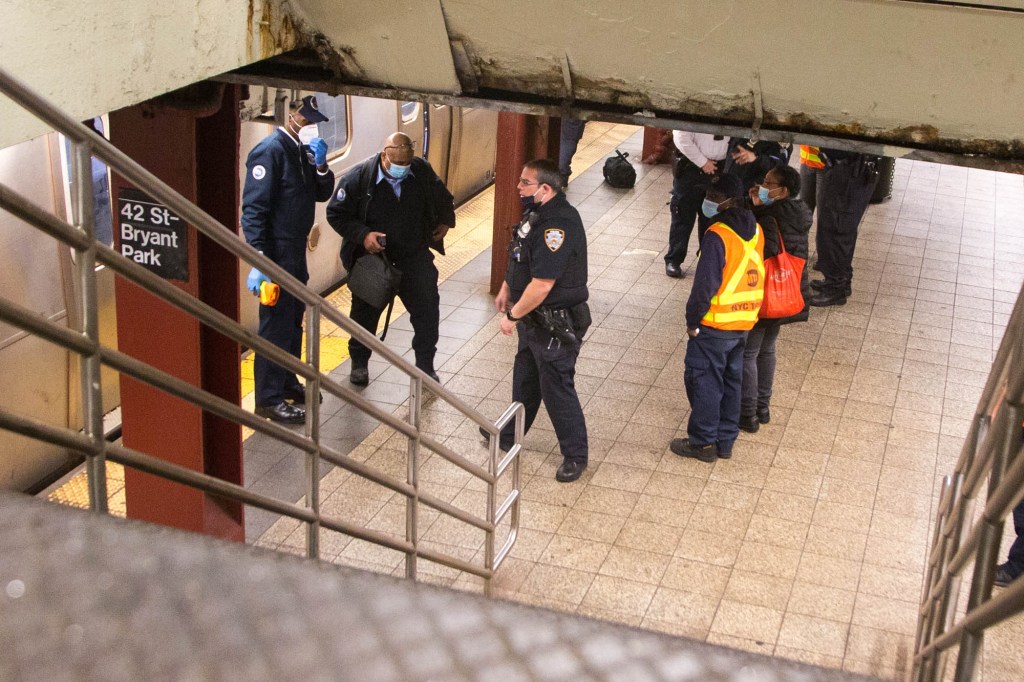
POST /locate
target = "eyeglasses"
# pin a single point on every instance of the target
(771, 184)
(401, 147)
(526, 183)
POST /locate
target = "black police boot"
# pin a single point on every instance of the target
(570, 470)
(283, 412)
(705, 453)
(826, 298)
(750, 423)
(673, 270)
(764, 415)
(821, 285)
(360, 376)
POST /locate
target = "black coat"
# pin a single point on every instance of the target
(792, 219)
(769, 155)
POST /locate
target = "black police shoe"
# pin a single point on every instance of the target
(824, 299)
(764, 415)
(297, 394)
(282, 412)
(819, 285)
(749, 424)
(1004, 576)
(360, 376)
(673, 270)
(487, 437)
(705, 453)
(570, 470)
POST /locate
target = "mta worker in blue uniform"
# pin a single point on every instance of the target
(728, 288)
(286, 174)
(395, 204)
(547, 274)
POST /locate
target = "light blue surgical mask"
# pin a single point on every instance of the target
(709, 208)
(762, 196)
(398, 172)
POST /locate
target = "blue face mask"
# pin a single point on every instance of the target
(398, 172)
(762, 196)
(709, 208)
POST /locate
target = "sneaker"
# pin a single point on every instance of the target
(749, 424)
(705, 453)
(1004, 576)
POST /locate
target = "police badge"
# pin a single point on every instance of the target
(553, 238)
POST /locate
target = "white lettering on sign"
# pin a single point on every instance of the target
(141, 257)
(130, 233)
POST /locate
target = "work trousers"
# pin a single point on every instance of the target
(1016, 558)
(810, 188)
(545, 371)
(713, 376)
(568, 141)
(846, 191)
(418, 293)
(688, 192)
(758, 369)
(281, 324)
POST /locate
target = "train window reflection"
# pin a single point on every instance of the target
(334, 131)
(409, 111)
(100, 180)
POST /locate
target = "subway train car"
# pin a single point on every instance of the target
(41, 380)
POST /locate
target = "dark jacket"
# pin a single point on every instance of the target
(769, 155)
(792, 218)
(708, 277)
(554, 248)
(282, 187)
(349, 211)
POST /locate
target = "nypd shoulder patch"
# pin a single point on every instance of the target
(258, 172)
(340, 196)
(553, 238)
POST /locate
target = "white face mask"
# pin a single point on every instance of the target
(308, 133)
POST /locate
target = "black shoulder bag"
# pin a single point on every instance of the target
(375, 280)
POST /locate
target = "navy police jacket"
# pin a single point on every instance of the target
(282, 187)
(554, 246)
(361, 205)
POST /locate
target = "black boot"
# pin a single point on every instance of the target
(750, 424)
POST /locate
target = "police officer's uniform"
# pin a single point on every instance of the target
(407, 211)
(282, 186)
(550, 244)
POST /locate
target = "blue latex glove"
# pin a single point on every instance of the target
(255, 279)
(319, 148)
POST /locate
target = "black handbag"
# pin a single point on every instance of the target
(375, 281)
(619, 172)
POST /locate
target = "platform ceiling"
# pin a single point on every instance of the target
(931, 79)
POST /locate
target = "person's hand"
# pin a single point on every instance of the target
(710, 167)
(754, 198)
(254, 280)
(743, 156)
(501, 300)
(692, 333)
(370, 242)
(440, 232)
(319, 149)
(507, 326)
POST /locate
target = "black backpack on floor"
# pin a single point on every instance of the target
(619, 172)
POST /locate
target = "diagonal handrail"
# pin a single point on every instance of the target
(87, 143)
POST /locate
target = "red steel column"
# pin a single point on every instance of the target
(521, 138)
(196, 153)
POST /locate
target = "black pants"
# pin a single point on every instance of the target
(810, 188)
(281, 324)
(545, 370)
(846, 190)
(418, 293)
(688, 191)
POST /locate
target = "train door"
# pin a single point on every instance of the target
(439, 137)
(470, 165)
(410, 122)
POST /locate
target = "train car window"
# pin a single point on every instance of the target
(409, 111)
(335, 131)
(100, 187)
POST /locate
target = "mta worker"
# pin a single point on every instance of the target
(286, 174)
(700, 157)
(394, 203)
(547, 279)
(728, 287)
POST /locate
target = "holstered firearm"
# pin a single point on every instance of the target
(555, 322)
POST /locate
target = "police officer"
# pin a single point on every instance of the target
(728, 287)
(286, 174)
(847, 184)
(702, 155)
(395, 204)
(544, 297)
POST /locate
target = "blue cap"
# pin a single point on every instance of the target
(727, 185)
(310, 111)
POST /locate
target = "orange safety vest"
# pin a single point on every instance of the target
(809, 157)
(738, 300)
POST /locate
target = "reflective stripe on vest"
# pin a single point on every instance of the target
(809, 157)
(738, 300)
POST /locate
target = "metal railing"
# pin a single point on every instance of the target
(90, 441)
(992, 451)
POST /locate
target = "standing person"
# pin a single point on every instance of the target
(1014, 566)
(286, 174)
(546, 283)
(395, 204)
(701, 156)
(569, 140)
(778, 212)
(811, 170)
(727, 290)
(846, 187)
(750, 161)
